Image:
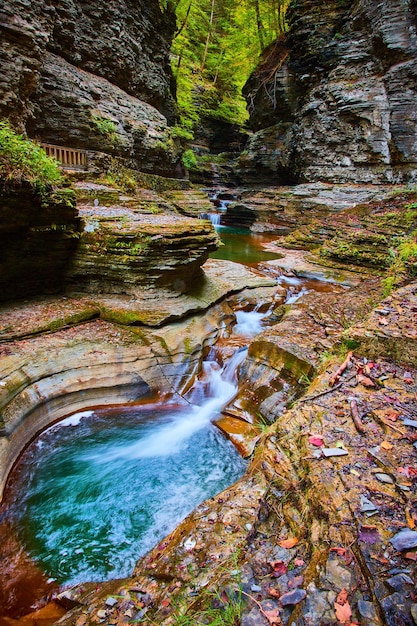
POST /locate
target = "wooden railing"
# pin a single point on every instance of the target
(67, 157)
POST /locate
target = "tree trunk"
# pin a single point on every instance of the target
(203, 62)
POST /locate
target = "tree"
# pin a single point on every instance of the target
(216, 47)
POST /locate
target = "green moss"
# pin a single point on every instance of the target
(105, 126)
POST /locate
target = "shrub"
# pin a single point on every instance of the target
(22, 160)
(189, 159)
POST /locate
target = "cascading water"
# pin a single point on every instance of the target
(102, 487)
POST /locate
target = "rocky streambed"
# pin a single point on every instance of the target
(321, 528)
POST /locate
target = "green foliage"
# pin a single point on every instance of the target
(22, 160)
(105, 127)
(217, 45)
(189, 159)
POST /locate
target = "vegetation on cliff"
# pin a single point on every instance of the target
(23, 161)
(216, 46)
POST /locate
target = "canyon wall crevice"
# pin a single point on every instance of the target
(335, 100)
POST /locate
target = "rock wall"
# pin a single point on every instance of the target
(87, 76)
(338, 97)
(37, 240)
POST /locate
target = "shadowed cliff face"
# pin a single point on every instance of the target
(339, 100)
(91, 76)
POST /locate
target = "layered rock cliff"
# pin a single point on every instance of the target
(336, 100)
(95, 77)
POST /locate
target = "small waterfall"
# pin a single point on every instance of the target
(214, 218)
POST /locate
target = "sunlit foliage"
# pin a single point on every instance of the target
(216, 47)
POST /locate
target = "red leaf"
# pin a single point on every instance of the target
(279, 568)
(316, 440)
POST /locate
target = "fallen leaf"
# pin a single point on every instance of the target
(365, 380)
(369, 367)
(342, 597)
(279, 568)
(315, 440)
(345, 554)
(382, 321)
(299, 562)
(410, 519)
(386, 445)
(407, 378)
(407, 471)
(411, 555)
(273, 592)
(288, 543)
(392, 415)
(343, 612)
(273, 617)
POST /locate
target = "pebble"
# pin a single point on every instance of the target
(293, 597)
(384, 478)
(334, 451)
(404, 540)
(408, 422)
(111, 601)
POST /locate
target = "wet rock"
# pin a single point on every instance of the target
(316, 605)
(396, 610)
(338, 575)
(399, 582)
(128, 45)
(404, 540)
(369, 613)
(330, 97)
(293, 597)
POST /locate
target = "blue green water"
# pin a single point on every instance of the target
(102, 488)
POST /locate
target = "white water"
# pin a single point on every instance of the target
(214, 218)
(215, 388)
(248, 323)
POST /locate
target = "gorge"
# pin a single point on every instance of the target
(115, 292)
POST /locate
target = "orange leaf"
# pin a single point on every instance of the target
(272, 616)
(288, 543)
(343, 612)
(392, 415)
(365, 381)
(386, 445)
(410, 519)
(342, 597)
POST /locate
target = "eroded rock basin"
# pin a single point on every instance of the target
(248, 315)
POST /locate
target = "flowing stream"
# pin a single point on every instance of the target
(99, 489)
